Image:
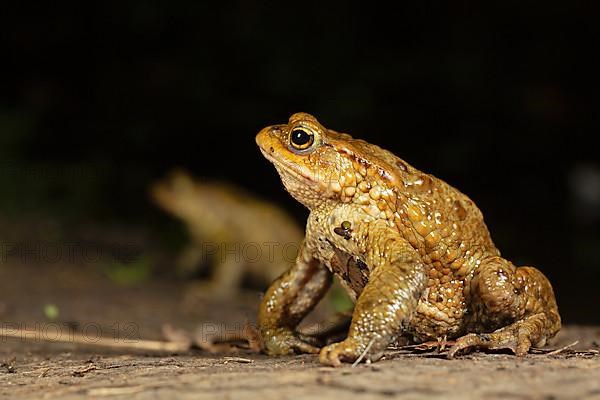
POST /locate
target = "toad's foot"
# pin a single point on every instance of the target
(348, 350)
(283, 341)
(491, 341)
(516, 337)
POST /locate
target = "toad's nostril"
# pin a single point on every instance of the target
(271, 149)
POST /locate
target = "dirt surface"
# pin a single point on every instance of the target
(90, 304)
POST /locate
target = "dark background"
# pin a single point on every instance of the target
(97, 101)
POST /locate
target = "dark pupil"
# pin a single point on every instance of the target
(300, 137)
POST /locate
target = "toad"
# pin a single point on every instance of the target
(412, 251)
(226, 226)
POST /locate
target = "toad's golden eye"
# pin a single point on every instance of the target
(301, 139)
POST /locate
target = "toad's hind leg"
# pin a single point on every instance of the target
(516, 304)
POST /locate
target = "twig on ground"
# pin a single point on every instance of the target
(364, 353)
(77, 338)
(117, 390)
(557, 351)
(240, 360)
(81, 372)
(174, 335)
(227, 340)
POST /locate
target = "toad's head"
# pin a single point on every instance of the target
(316, 164)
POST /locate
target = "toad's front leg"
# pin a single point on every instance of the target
(389, 299)
(288, 300)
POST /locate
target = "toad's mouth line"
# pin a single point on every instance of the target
(285, 166)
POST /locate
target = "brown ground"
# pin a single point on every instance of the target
(90, 303)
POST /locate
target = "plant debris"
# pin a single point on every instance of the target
(9, 365)
(80, 373)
